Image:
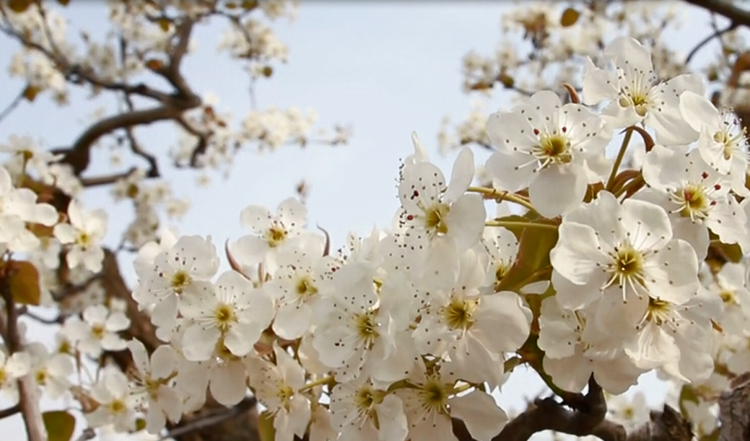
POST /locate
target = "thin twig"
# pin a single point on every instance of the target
(28, 396)
(13, 104)
(212, 419)
(715, 34)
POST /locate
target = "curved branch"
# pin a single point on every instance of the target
(725, 8)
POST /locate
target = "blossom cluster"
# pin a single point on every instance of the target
(597, 270)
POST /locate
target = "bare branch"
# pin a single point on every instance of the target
(717, 33)
(13, 104)
(5, 413)
(737, 15)
(28, 399)
(107, 179)
(212, 419)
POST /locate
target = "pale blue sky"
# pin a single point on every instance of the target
(385, 67)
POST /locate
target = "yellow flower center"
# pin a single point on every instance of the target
(433, 395)
(435, 218)
(180, 280)
(367, 327)
(224, 316)
(459, 314)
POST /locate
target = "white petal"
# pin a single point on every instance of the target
(481, 415)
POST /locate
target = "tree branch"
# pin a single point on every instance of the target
(212, 419)
(737, 15)
(717, 33)
(28, 399)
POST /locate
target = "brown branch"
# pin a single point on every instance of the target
(78, 155)
(212, 419)
(106, 179)
(725, 8)
(717, 33)
(28, 395)
(5, 413)
(13, 104)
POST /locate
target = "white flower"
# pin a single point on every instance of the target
(636, 96)
(183, 268)
(116, 405)
(473, 330)
(430, 405)
(98, 331)
(232, 311)
(153, 379)
(362, 412)
(84, 232)
(695, 196)
(302, 278)
(357, 330)
(439, 222)
(50, 371)
(11, 369)
(18, 206)
(624, 255)
(271, 234)
(277, 387)
(553, 149)
(722, 142)
(572, 352)
(502, 247)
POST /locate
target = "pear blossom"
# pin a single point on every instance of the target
(473, 330)
(362, 412)
(635, 95)
(84, 234)
(97, 331)
(183, 268)
(270, 234)
(153, 379)
(553, 149)
(625, 255)
(278, 388)
(50, 371)
(357, 329)
(573, 353)
(722, 142)
(431, 404)
(12, 368)
(232, 311)
(302, 278)
(695, 196)
(116, 405)
(439, 222)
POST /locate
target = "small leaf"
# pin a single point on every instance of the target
(30, 92)
(24, 283)
(249, 4)
(266, 431)
(154, 64)
(19, 6)
(63, 2)
(60, 425)
(140, 424)
(533, 263)
(569, 17)
(164, 24)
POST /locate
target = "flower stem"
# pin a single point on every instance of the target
(321, 381)
(620, 156)
(499, 196)
(511, 224)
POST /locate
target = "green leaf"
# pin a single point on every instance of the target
(569, 17)
(60, 425)
(266, 431)
(24, 283)
(532, 263)
(687, 394)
